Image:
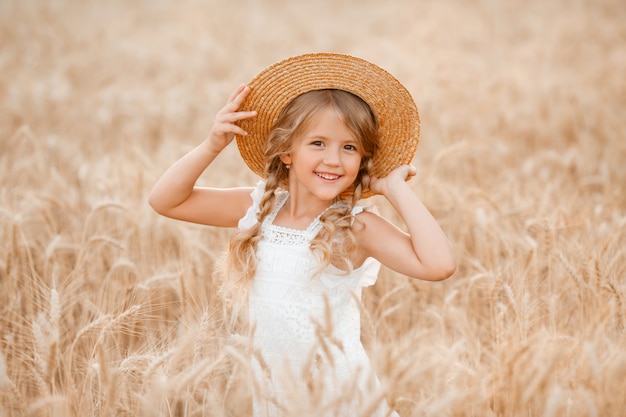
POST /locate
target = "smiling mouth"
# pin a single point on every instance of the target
(329, 177)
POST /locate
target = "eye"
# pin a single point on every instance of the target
(350, 147)
(317, 143)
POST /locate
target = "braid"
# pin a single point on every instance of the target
(268, 199)
(335, 241)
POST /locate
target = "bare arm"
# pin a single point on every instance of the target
(424, 252)
(175, 194)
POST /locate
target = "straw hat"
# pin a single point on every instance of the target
(277, 85)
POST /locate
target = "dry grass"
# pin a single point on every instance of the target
(107, 309)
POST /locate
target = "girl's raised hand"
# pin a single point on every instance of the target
(224, 129)
(398, 176)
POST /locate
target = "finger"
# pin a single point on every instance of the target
(232, 117)
(236, 93)
(238, 131)
(227, 128)
(236, 100)
(241, 97)
(411, 172)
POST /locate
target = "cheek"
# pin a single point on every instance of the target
(356, 164)
(362, 162)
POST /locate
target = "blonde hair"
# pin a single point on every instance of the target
(335, 241)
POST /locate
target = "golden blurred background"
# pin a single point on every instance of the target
(108, 309)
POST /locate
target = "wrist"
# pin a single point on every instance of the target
(209, 146)
(395, 188)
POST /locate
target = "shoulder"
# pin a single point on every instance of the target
(371, 229)
(365, 221)
(366, 214)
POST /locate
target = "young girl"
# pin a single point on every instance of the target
(323, 131)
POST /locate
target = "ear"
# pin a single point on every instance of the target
(285, 158)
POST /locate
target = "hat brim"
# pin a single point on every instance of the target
(277, 85)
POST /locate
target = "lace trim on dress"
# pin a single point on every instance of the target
(278, 236)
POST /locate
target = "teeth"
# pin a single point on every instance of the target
(328, 176)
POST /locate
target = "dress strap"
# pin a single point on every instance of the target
(249, 219)
(281, 198)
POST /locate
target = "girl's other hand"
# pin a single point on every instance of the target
(224, 129)
(398, 176)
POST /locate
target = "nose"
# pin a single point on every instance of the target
(332, 157)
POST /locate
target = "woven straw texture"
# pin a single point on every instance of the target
(278, 84)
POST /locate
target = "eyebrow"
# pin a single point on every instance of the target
(315, 136)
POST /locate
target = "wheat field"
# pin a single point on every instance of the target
(108, 309)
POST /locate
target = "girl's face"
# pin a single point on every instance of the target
(325, 160)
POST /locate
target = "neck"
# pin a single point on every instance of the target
(296, 209)
(298, 212)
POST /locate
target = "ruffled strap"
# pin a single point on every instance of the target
(249, 219)
(363, 276)
(369, 272)
(357, 209)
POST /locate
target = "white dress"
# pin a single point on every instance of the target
(306, 328)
